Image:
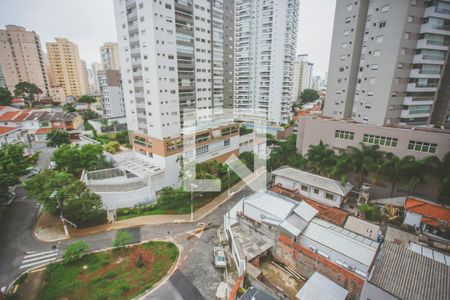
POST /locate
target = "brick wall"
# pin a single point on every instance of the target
(306, 262)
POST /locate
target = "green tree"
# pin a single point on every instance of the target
(13, 164)
(321, 159)
(112, 147)
(364, 160)
(104, 122)
(371, 212)
(309, 95)
(442, 173)
(123, 238)
(56, 138)
(79, 205)
(27, 91)
(392, 170)
(74, 159)
(88, 100)
(90, 115)
(69, 107)
(5, 96)
(75, 251)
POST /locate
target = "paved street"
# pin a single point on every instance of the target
(195, 274)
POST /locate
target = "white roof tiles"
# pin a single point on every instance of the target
(347, 243)
(318, 287)
(321, 182)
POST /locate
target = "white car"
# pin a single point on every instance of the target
(52, 165)
(219, 257)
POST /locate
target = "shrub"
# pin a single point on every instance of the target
(75, 251)
(371, 212)
(123, 237)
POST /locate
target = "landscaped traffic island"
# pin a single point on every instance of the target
(121, 273)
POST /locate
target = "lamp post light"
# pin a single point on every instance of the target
(192, 200)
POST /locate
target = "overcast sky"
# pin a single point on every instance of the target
(89, 23)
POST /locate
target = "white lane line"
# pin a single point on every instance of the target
(39, 258)
(38, 263)
(40, 253)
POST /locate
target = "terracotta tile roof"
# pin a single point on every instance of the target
(429, 210)
(4, 129)
(9, 116)
(331, 214)
(43, 130)
(22, 116)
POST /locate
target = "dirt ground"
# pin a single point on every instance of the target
(30, 287)
(286, 282)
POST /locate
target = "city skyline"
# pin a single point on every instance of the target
(95, 30)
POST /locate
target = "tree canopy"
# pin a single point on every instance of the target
(56, 138)
(75, 251)
(87, 99)
(73, 159)
(27, 91)
(5, 96)
(309, 95)
(79, 205)
(69, 107)
(13, 164)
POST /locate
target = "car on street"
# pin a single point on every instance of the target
(34, 171)
(52, 165)
(219, 257)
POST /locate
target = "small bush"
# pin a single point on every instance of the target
(75, 251)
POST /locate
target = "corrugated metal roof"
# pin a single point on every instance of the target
(311, 179)
(430, 253)
(408, 275)
(362, 227)
(350, 244)
(305, 211)
(318, 287)
(272, 204)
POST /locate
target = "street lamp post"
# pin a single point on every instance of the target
(192, 200)
(61, 216)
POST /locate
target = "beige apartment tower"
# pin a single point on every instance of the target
(66, 67)
(388, 62)
(21, 58)
(109, 53)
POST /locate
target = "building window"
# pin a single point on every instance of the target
(202, 149)
(347, 20)
(329, 196)
(316, 191)
(344, 135)
(226, 142)
(422, 147)
(374, 67)
(380, 140)
(379, 39)
(382, 24)
(410, 19)
(385, 8)
(304, 188)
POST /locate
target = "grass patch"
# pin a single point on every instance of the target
(110, 274)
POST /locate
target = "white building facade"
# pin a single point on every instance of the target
(265, 47)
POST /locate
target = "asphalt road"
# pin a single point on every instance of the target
(195, 274)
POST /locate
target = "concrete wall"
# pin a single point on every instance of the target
(313, 130)
(115, 200)
(371, 292)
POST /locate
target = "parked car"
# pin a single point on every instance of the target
(52, 165)
(219, 257)
(34, 171)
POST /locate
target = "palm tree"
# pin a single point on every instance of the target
(321, 158)
(364, 160)
(341, 168)
(441, 171)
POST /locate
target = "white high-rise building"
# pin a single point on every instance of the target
(95, 68)
(265, 46)
(172, 60)
(109, 53)
(302, 75)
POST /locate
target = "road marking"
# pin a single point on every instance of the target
(38, 263)
(40, 253)
(39, 258)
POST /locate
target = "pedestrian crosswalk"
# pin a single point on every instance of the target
(34, 259)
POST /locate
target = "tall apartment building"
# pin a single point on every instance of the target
(302, 75)
(387, 64)
(21, 58)
(109, 53)
(172, 60)
(111, 93)
(265, 47)
(66, 67)
(95, 68)
(228, 53)
(85, 76)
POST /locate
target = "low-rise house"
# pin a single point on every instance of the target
(362, 227)
(318, 287)
(400, 273)
(12, 135)
(429, 217)
(318, 188)
(4, 109)
(66, 121)
(13, 118)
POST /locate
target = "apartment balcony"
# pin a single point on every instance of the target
(140, 104)
(136, 62)
(436, 29)
(133, 27)
(406, 114)
(139, 84)
(139, 95)
(428, 59)
(132, 16)
(418, 100)
(138, 73)
(413, 87)
(135, 51)
(134, 39)
(418, 73)
(430, 44)
(431, 12)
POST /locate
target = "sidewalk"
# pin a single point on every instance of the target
(49, 236)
